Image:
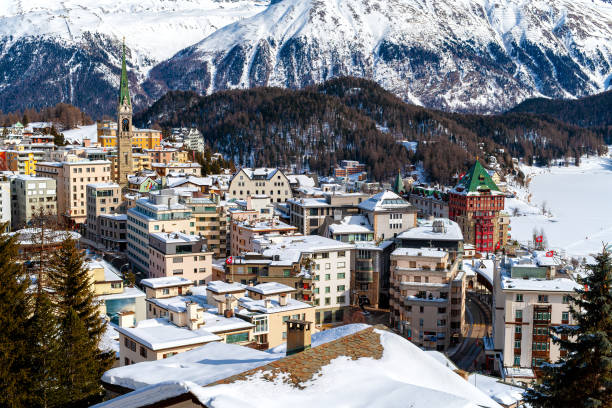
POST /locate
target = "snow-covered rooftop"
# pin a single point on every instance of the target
(165, 282)
(386, 200)
(352, 224)
(175, 237)
(159, 334)
(111, 274)
(425, 252)
(501, 392)
(291, 248)
(270, 288)
(224, 287)
(271, 306)
(425, 231)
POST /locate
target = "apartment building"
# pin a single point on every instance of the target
(389, 214)
(102, 199)
(5, 205)
(530, 294)
(313, 215)
(427, 297)
(429, 201)
(260, 181)
(319, 267)
(160, 212)
(210, 222)
(179, 254)
(438, 233)
(268, 307)
(22, 160)
(370, 279)
(71, 178)
(243, 233)
(113, 232)
(163, 155)
(164, 169)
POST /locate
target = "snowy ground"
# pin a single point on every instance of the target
(79, 133)
(579, 200)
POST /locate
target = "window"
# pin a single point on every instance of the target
(340, 264)
(328, 266)
(517, 361)
(284, 335)
(517, 344)
(327, 276)
(327, 301)
(316, 291)
(261, 324)
(518, 314)
(341, 254)
(237, 337)
(166, 291)
(178, 259)
(177, 271)
(518, 329)
(542, 298)
(565, 316)
(340, 288)
(143, 351)
(116, 285)
(341, 275)
(340, 299)
(519, 297)
(421, 309)
(566, 299)
(327, 289)
(286, 273)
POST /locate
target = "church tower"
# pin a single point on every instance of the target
(124, 128)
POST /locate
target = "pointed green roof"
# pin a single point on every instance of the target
(398, 184)
(124, 91)
(476, 179)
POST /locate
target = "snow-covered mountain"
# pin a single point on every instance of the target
(68, 50)
(481, 55)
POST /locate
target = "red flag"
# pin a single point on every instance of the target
(229, 260)
(498, 245)
(539, 238)
(550, 254)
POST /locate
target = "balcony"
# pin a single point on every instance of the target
(364, 277)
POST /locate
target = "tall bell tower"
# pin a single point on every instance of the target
(124, 127)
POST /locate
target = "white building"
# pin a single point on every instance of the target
(260, 181)
(193, 140)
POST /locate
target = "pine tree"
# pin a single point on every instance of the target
(78, 378)
(80, 334)
(44, 349)
(584, 377)
(14, 313)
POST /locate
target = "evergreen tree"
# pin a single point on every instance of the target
(44, 354)
(81, 326)
(14, 313)
(78, 375)
(584, 377)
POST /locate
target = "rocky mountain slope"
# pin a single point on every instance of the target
(464, 55)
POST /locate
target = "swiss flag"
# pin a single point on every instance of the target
(498, 245)
(550, 254)
(539, 238)
(229, 260)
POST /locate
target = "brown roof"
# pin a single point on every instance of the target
(303, 366)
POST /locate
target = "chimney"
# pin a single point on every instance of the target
(192, 315)
(126, 319)
(298, 336)
(283, 299)
(267, 303)
(229, 310)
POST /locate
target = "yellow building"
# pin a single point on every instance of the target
(141, 138)
(21, 161)
(141, 162)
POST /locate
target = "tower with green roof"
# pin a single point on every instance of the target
(476, 204)
(398, 185)
(125, 160)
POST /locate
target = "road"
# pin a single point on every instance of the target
(479, 323)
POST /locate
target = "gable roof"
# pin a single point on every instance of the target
(475, 180)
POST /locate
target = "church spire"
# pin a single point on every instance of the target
(124, 91)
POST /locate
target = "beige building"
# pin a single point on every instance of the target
(242, 233)
(179, 254)
(163, 169)
(389, 214)
(210, 221)
(260, 181)
(160, 212)
(102, 199)
(268, 307)
(313, 215)
(427, 297)
(71, 178)
(530, 295)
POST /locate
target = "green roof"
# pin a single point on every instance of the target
(124, 91)
(398, 185)
(476, 179)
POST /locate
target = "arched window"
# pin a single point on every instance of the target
(125, 125)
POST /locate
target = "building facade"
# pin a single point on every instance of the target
(102, 199)
(30, 196)
(179, 254)
(260, 181)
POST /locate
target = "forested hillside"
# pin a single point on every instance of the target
(350, 118)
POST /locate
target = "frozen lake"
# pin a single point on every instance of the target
(580, 200)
